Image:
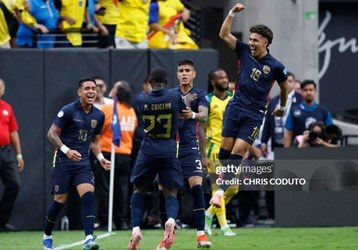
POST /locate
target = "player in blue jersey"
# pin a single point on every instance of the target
(258, 70)
(75, 130)
(159, 111)
(189, 157)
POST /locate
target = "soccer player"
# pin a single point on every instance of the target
(258, 70)
(75, 130)
(189, 157)
(218, 99)
(159, 111)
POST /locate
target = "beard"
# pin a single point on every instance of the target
(221, 88)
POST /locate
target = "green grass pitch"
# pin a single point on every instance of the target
(246, 238)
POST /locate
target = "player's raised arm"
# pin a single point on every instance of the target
(225, 31)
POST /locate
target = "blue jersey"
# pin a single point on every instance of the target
(255, 78)
(46, 14)
(159, 112)
(187, 128)
(301, 116)
(77, 129)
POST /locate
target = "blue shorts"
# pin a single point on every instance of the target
(241, 124)
(65, 176)
(147, 167)
(190, 162)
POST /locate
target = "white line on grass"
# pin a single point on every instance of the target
(78, 243)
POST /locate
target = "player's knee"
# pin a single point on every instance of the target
(224, 154)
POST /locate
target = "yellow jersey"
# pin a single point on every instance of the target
(166, 10)
(133, 20)
(4, 30)
(215, 118)
(112, 13)
(75, 9)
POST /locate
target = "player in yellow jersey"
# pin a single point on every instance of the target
(218, 100)
(132, 26)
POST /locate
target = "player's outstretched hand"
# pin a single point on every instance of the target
(106, 164)
(238, 7)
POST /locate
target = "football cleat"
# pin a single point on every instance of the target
(47, 244)
(208, 225)
(90, 244)
(216, 200)
(203, 241)
(168, 239)
(228, 232)
(135, 240)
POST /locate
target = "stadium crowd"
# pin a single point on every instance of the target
(117, 24)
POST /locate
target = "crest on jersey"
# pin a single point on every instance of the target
(266, 69)
(5, 112)
(145, 1)
(93, 123)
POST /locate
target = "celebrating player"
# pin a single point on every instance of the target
(258, 69)
(159, 111)
(75, 130)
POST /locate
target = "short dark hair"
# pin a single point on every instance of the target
(158, 75)
(186, 61)
(308, 82)
(264, 31)
(124, 93)
(289, 73)
(88, 79)
(211, 76)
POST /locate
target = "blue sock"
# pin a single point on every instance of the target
(137, 206)
(224, 154)
(51, 216)
(235, 157)
(87, 203)
(199, 207)
(162, 209)
(172, 207)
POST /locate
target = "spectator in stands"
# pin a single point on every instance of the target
(298, 86)
(101, 90)
(132, 26)
(307, 112)
(166, 23)
(273, 127)
(109, 20)
(72, 14)
(128, 122)
(46, 16)
(315, 136)
(10, 166)
(10, 14)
